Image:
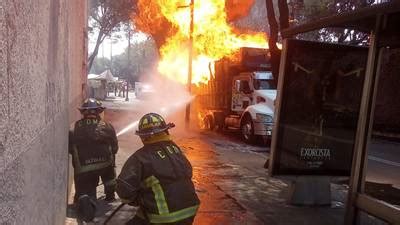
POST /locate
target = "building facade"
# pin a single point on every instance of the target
(42, 78)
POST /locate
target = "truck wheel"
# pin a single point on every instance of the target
(208, 123)
(266, 140)
(247, 129)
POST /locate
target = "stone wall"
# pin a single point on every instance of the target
(42, 55)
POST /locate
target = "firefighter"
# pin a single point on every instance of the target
(157, 178)
(93, 145)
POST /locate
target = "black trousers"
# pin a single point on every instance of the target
(86, 183)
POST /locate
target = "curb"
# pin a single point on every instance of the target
(386, 135)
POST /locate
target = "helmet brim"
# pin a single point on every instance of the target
(87, 108)
(153, 132)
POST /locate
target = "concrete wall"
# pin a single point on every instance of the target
(42, 50)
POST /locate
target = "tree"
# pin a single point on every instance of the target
(150, 19)
(106, 17)
(100, 65)
(313, 10)
(307, 10)
(347, 35)
(143, 57)
(274, 29)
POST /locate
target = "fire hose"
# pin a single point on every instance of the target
(120, 206)
(113, 213)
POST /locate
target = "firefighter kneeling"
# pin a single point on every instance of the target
(157, 178)
(93, 145)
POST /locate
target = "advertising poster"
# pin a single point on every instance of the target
(320, 102)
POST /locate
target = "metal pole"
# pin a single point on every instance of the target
(102, 50)
(190, 68)
(127, 87)
(129, 61)
(111, 57)
(365, 119)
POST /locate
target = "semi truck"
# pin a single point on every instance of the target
(240, 95)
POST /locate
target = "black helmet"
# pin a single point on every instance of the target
(93, 105)
(151, 124)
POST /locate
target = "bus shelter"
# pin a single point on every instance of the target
(382, 23)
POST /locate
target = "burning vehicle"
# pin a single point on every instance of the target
(214, 37)
(238, 91)
(240, 95)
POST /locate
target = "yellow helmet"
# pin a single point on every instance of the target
(151, 124)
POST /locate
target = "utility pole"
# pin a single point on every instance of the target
(111, 57)
(129, 62)
(190, 68)
(102, 50)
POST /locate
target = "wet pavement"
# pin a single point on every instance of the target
(229, 177)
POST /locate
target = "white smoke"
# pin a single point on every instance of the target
(165, 98)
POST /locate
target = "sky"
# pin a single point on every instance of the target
(116, 47)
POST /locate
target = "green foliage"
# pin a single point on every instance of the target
(106, 17)
(316, 9)
(142, 59)
(100, 65)
(312, 10)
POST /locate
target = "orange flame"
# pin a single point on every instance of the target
(213, 37)
(238, 8)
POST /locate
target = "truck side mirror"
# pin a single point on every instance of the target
(237, 85)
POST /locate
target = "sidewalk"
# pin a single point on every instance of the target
(239, 174)
(230, 180)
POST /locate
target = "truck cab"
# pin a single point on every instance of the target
(240, 95)
(253, 96)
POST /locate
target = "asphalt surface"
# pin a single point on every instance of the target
(383, 171)
(384, 162)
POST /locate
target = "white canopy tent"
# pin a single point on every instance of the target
(106, 75)
(98, 84)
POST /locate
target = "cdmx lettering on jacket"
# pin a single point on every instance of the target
(90, 122)
(170, 150)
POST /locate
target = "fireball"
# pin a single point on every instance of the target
(213, 36)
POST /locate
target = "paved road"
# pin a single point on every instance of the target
(384, 163)
(383, 171)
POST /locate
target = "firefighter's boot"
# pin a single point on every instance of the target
(110, 197)
(86, 208)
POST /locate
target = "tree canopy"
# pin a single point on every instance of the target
(301, 11)
(143, 57)
(106, 17)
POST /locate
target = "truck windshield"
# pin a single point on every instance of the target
(264, 84)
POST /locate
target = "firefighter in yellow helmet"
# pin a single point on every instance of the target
(157, 178)
(93, 145)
